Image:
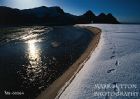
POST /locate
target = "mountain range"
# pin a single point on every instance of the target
(50, 16)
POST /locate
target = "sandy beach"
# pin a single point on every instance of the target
(59, 85)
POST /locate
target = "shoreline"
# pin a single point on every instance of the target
(60, 84)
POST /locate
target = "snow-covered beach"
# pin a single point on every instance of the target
(115, 61)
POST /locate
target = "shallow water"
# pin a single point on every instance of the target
(31, 58)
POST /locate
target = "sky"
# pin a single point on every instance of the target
(123, 10)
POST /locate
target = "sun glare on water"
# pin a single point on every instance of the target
(34, 59)
(33, 52)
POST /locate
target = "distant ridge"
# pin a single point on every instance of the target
(50, 16)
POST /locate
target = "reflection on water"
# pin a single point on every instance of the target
(39, 58)
(34, 67)
(34, 53)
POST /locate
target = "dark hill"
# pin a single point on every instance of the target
(50, 16)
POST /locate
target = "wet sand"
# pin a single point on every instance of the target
(59, 85)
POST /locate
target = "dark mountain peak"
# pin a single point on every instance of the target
(109, 14)
(56, 9)
(106, 18)
(39, 8)
(43, 7)
(44, 11)
(89, 13)
(102, 15)
(50, 16)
